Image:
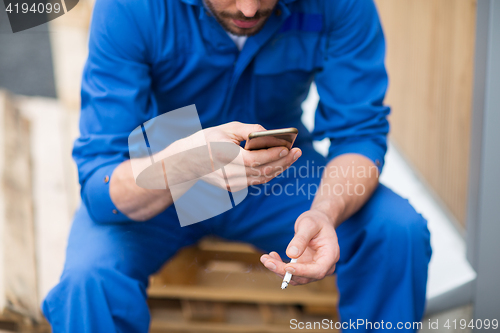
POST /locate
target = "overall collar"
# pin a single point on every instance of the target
(252, 45)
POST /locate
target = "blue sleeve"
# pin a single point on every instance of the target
(116, 97)
(353, 83)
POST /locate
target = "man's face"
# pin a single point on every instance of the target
(242, 17)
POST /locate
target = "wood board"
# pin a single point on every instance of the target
(430, 56)
(18, 285)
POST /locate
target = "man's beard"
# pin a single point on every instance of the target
(220, 16)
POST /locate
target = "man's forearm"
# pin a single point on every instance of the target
(135, 198)
(137, 203)
(189, 159)
(140, 203)
(348, 182)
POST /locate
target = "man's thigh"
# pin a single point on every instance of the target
(384, 256)
(267, 216)
(387, 220)
(136, 249)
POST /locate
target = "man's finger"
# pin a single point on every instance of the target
(257, 158)
(298, 280)
(275, 255)
(316, 270)
(323, 264)
(274, 168)
(306, 230)
(240, 131)
(262, 175)
(274, 265)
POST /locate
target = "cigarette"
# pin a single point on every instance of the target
(288, 276)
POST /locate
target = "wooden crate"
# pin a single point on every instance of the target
(38, 195)
(55, 189)
(217, 286)
(18, 287)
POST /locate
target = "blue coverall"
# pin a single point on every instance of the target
(148, 57)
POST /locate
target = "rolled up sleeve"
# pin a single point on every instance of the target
(353, 83)
(116, 98)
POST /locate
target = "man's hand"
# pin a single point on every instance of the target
(315, 245)
(260, 166)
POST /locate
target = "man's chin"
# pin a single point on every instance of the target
(237, 31)
(244, 32)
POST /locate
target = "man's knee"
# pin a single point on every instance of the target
(403, 230)
(79, 282)
(101, 292)
(82, 273)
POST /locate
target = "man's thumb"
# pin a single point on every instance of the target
(242, 130)
(293, 251)
(306, 230)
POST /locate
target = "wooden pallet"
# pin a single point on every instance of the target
(218, 286)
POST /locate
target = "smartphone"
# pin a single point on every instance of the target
(283, 137)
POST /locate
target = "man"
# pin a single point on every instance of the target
(150, 57)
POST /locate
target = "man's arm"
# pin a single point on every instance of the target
(347, 183)
(340, 194)
(116, 98)
(351, 113)
(137, 203)
(260, 166)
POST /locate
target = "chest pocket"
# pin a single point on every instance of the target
(283, 72)
(298, 52)
(299, 46)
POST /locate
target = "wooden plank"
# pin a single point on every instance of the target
(295, 295)
(180, 270)
(240, 318)
(211, 249)
(204, 311)
(243, 257)
(330, 311)
(278, 314)
(164, 326)
(430, 54)
(214, 244)
(18, 285)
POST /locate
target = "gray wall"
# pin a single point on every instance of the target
(25, 59)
